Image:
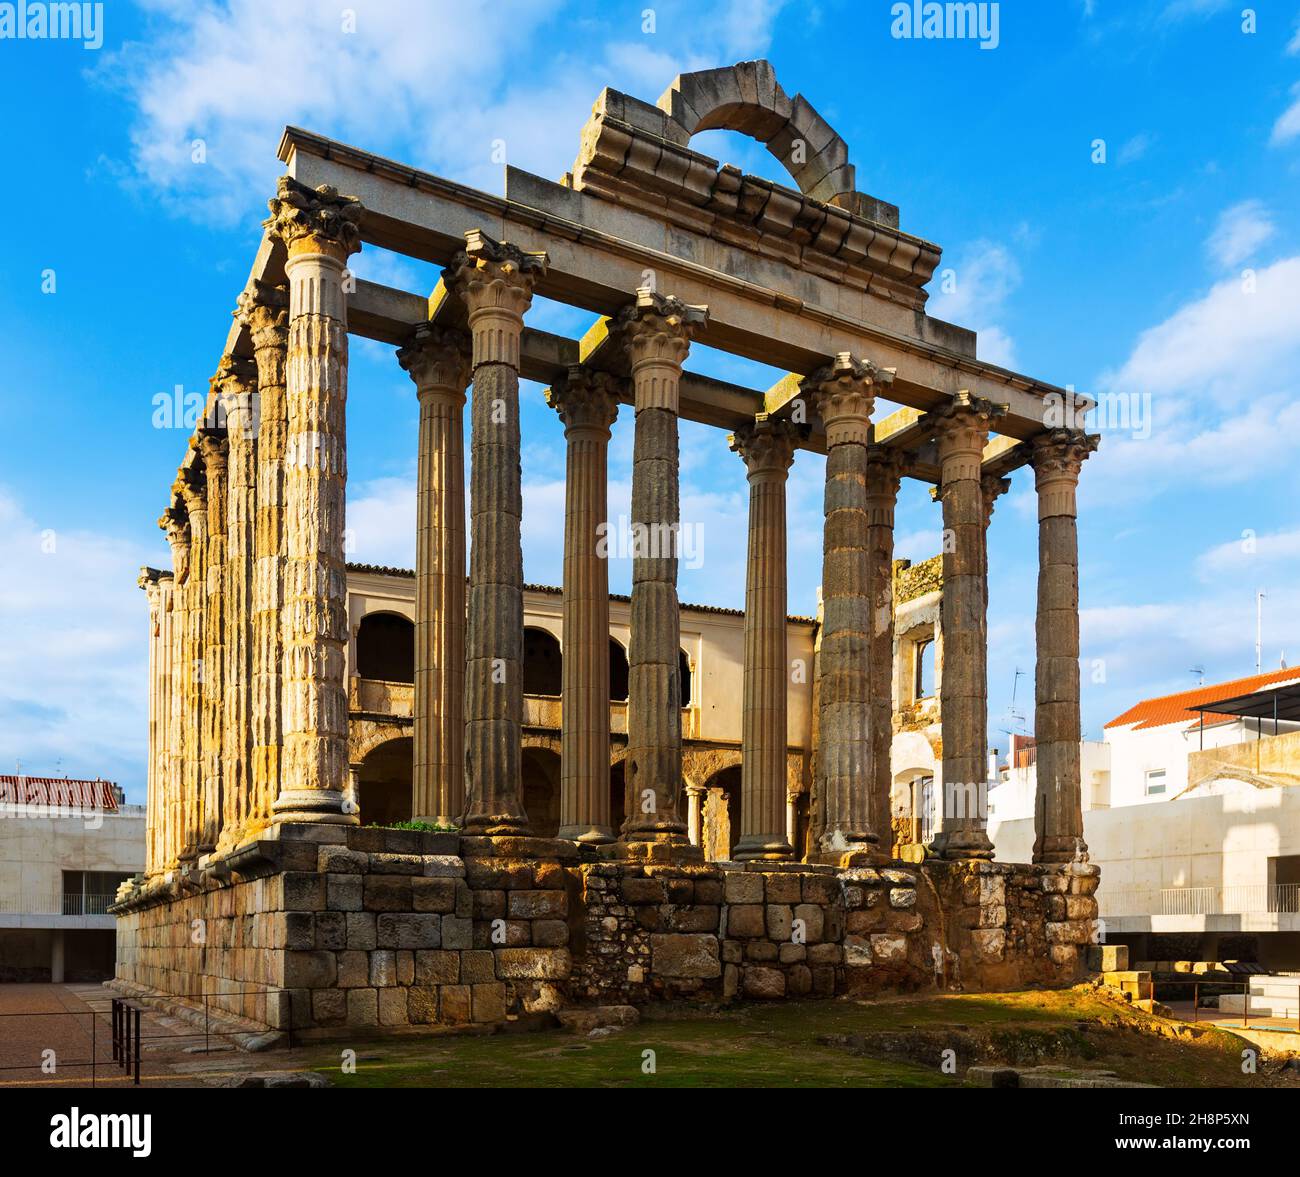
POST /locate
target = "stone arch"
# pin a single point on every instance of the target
(384, 782)
(746, 97)
(540, 783)
(543, 662)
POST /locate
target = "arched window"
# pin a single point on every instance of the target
(617, 672)
(386, 648)
(923, 669)
(542, 662)
(684, 672)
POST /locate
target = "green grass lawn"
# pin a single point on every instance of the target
(897, 1042)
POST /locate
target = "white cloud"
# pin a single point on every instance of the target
(975, 296)
(73, 651)
(436, 84)
(1241, 230)
(1293, 46)
(1252, 555)
(1287, 126)
(1134, 149)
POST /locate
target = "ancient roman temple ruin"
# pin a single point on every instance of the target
(266, 894)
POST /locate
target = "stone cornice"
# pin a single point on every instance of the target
(314, 220)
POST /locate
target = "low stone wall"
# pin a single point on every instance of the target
(330, 926)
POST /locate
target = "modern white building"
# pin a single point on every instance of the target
(65, 846)
(1192, 811)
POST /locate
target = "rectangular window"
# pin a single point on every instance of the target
(923, 670)
(1155, 781)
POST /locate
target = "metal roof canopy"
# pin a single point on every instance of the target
(1277, 703)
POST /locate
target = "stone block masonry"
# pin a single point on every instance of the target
(335, 928)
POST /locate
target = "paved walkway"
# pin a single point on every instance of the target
(75, 1023)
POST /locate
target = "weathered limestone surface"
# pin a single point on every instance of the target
(1058, 457)
(843, 394)
(158, 587)
(656, 331)
(193, 490)
(961, 430)
(767, 450)
(215, 465)
(264, 311)
(332, 927)
(587, 404)
(496, 282)
(884, 475)
(438, 361)
(237, 388)
(320, 231)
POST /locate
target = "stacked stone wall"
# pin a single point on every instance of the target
(330, 926)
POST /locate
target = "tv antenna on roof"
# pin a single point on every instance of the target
(1199, 671)
(1259, 627)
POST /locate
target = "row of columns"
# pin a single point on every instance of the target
(248, 706)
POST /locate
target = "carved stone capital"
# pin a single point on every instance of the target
(191, 485)
(264, 309)
(175, 522)
(235, 387)
(437, 359)
(885, 467)
(961, 429)
(766, 447)
(586, 400)
(495, 279)
(992, 488)
(314, 220)
(1057, 456)
(844, 393)
(214, 449)
(656, 331)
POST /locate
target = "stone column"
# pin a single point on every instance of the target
(587, 404)
(237, 383)
(656, 331)
(496, 281)
(767, 448)
(1057, 457)
(884, 475)
(264, 310)
(694, 814)
(844, 393)
(320, 231)
(961, 430)
(151, 581)
(176, 525)
(438, 361)
(194, 491)
(212, 443)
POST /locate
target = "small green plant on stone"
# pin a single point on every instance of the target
(425, 826)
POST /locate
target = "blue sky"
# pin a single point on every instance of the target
(1123, 277)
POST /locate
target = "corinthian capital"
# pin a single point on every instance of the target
(992, 488)
(436, 357)
(657, 328)
(585, 399)
(314, 220)
(844, 393)
(175, 522)
(1061, 453)
(494, 276)
(961, 429)
(264, 309)
(766, 447)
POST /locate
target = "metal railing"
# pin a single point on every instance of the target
(1217, 988)
(1234, 899)
(55, 903)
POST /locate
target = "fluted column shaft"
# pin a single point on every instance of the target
(884, 472)
(156, 586)
(264, 310)
(171, 805)
(768, 450)
(320, 232)
(496, 282)
(237, 382)
(961, 431)
(438, 362)
(1057, 457)
(215, 463)
(196, 580)
(844, 394)
(656, 332)
(586, 402)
